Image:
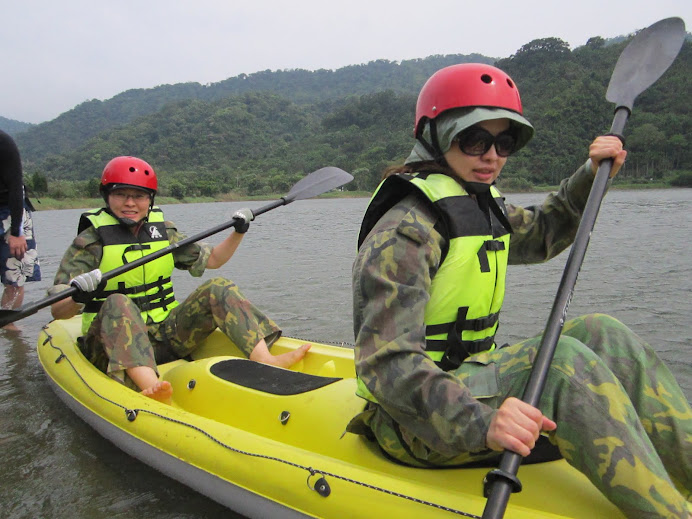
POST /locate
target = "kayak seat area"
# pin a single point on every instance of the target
(268, 379)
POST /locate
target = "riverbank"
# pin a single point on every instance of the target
(47, 204)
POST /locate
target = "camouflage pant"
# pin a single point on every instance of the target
(622, 418)
(119, 339)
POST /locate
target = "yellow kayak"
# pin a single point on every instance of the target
(268, 442)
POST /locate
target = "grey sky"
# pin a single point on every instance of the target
(59, 54)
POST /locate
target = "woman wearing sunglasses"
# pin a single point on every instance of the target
(428, 287)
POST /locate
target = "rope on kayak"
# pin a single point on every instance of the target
(343, 344)
(132, 414)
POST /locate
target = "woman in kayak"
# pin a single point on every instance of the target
(133, 321)
(428, 286)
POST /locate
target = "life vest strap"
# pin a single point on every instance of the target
(132, 248)
(463, 324)
(488, 245)
(454, 347)
(162, 298)
(453, 356)
(470, 347)
(494, 245)
(122, 289)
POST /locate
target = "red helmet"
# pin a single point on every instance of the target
(129, 172)
(467, 84)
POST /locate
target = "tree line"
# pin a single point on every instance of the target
(259, 134)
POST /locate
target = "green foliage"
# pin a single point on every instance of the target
(61, 189)
(516, 182)
(74, 128)
(13, 127)
(257, 134)
(177, 190)
(682, 179)
(37, 183)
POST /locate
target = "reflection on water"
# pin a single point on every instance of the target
(295, 263)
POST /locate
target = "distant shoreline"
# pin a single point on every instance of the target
(52, 204)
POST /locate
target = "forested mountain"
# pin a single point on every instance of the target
(257, 134)
(71, 129)
(563, 93)
(13, 127)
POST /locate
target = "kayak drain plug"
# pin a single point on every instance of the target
(284, 416)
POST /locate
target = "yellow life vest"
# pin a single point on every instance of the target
(148, 285)
(467, 291)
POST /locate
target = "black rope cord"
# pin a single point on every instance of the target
(343, 344)
(132, 414)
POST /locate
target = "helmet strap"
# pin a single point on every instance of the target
(127, 222)
(432, 147)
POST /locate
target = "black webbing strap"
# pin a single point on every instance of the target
(474, 325)
(488, 245)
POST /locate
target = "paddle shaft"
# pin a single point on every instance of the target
(641, 63)
(69, 292)
(501, 488)
(315, 183)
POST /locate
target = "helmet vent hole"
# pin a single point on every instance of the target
(510, 83)
(146, 171)
(486, 78)
(132, 169)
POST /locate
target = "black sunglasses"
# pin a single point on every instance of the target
(476, 141)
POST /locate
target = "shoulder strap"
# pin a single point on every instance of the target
(85, 220)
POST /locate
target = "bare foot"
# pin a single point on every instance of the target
(161, 391)
(10, 327)
(286, 360)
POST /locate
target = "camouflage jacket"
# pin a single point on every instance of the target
(84, 255)
(392, 276)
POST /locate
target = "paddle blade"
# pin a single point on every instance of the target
(318, 182)
(644, 60)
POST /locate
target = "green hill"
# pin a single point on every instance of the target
(13, 127)
(257, 134)
(72, 129)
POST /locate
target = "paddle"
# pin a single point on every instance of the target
(314, 184)
(643, 61)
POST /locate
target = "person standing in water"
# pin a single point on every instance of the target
(19, 261)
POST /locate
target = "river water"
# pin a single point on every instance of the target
(295, 264)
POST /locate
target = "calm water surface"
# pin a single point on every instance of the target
(295, 263)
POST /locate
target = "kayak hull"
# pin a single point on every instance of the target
(269, 442)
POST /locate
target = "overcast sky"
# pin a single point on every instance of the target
(57, 54)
